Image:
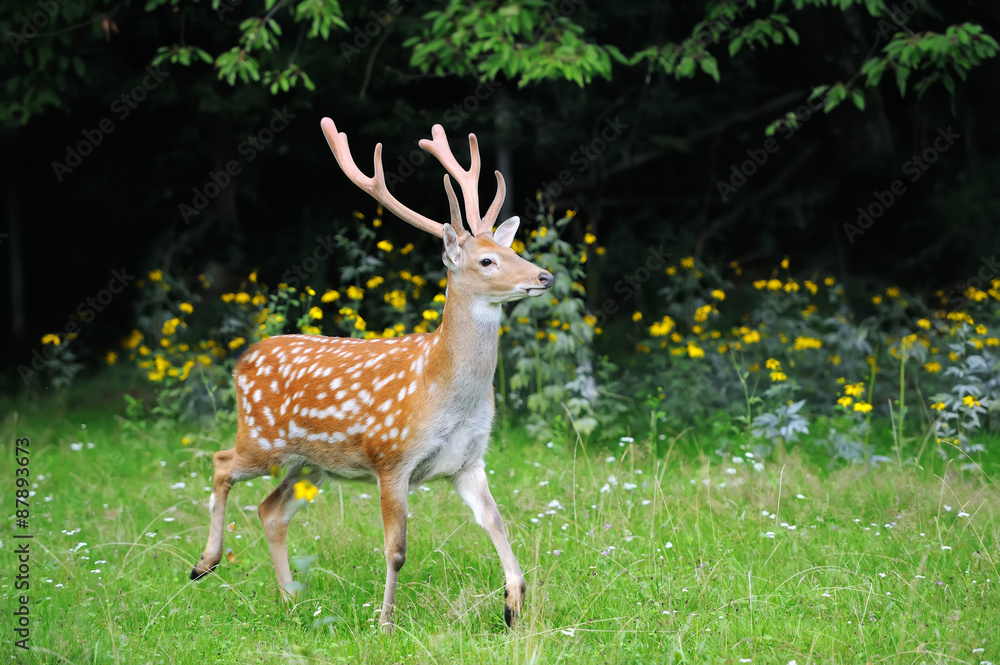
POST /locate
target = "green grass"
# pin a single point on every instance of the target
(703, 560)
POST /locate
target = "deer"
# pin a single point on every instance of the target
(399, 410)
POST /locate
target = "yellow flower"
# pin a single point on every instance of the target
(358, 215)
(228, 297)
(144, 350)
(701, 314)
(863, 407)
(517, 247)
(811, 285)
(155, 375)
(354, 293)
(751, 337)
(723, 348)
(953, 356)
(659, 329)
(236, 342)
(186, 307)
(52, 339)
(330, 296)
(310, 290)
(439, 298)
(933, 366)
(305, 490)
(855, 389)
(170, 326)
(835, 360)
(970, 401)
(359, 323)
(430, 315)
(992, 341)
(791, 286)
(111, 357)
(315, 313)
(258, 300)
(406, 249)
(773, 284)
(778, 376)
(186, 440)
(253, 277)
(981, 329)
(590, 238)
(938, 406)
(540, 334)
(242, 298)
(978, 295)
(772, 363)
(156, 276)
(845, 401)
(830, 280)
(377, 222)
(204, 359)
(133, 340)
(719, 294)
(583, 257)
(784, 263)
(695, 351)
(877, 300)
(311, 330)
(570, 214)
(892, 291)
(924, 323)
(637, 316)
(687, 262)
(671, 270)
(553, 337)
(802, 343)
(759, 284)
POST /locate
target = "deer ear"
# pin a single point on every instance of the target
(451, 247)
(504, 235)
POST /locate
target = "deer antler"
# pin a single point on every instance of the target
(375, 186)
(468, 180)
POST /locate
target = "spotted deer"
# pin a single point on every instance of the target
(399, 410)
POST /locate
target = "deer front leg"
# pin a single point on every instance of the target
(474, 489)
(393, 496)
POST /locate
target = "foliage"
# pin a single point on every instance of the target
(797, 350)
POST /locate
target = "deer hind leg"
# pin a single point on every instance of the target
(393, 498)
(474, 489)
(229, 467)
(276, 512)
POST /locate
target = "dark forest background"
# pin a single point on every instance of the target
(539, 96)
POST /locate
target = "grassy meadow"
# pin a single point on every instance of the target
(630, 556)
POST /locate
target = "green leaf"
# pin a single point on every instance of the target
(711, 67)
(858, 96)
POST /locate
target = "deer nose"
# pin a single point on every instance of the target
(545, 278)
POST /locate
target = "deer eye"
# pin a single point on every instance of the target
(486, 262)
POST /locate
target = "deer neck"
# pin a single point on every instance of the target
(468, 339)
